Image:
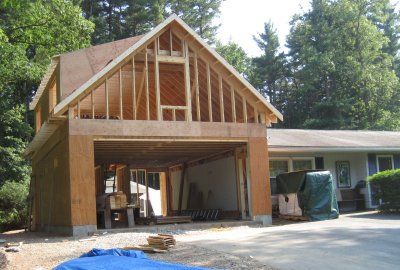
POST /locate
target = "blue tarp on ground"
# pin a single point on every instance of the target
(107, 259)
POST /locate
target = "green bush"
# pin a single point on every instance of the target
(13, 205)
(388, 183)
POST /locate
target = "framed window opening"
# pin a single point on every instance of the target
(384, 162)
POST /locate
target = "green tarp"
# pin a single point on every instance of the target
(315, 192)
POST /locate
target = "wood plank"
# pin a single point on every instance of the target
(187, 84)
(181, 188)
(147, 88)
(157, 79)
(210, 115)
(92, 103)
(121, 113)
(79, 109)
(134, 107)
(141, 87)
(244, 103)
(129, 129)
(259, 177)
(82, 180)
(171, 59)
(107, 105)
(255, 115)
(233, 101)
(221, 98)
(196, 81)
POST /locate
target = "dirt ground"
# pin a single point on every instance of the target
(40, 251)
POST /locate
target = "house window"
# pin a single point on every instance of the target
(302, 164)
(384, 162)
(278, 166)
(283, 165)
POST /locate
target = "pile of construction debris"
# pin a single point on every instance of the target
(159, 243)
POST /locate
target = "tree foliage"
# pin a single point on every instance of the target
(270, 72)
(236, 56)
(342, 70)
(117, 19)
(31, 32)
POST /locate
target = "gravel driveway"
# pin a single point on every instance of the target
(41, 251)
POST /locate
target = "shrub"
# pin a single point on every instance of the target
(13, 205)
(388, 183)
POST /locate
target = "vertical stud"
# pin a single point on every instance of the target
(221, 98)
(210, 116)
(134, 113)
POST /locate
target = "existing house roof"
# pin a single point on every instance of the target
(302, 140)
(85, 67)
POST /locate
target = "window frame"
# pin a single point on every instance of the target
(383, 156)
(291, 159)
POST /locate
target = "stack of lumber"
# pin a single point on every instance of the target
(117, 201)
(173, 219)
(161, 241)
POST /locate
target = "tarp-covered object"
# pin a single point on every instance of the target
(108, 259)
(315, 191)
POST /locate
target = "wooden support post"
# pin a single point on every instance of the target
(121, 112)
(181, 188)
(92, 103)
(173, 115)
(244, 109)
(260, 190)
(170, 42)
(221, 98)
(79, 109)
(157, 79)
(107, 108)
(210, 116)
(233, 102)
(147, 194)
(70, 113)
(134, 111)
(255, 115)
(196, 81)
(187, 85)
(147, 86)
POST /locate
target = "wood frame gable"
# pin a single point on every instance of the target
(192, 45)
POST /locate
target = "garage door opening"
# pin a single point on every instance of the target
(160, 182)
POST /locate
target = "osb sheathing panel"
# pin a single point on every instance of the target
(78, 67)
(83, 197)
(52, 204)
(259, 176)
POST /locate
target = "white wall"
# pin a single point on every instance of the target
(358, 165)
(216, 180)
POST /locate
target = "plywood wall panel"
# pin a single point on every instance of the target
(259, 176)
(83, 197)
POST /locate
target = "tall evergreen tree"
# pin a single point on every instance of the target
(343, 77)
(236, 56)
(117, 19)
(270, 71)
(199, 14)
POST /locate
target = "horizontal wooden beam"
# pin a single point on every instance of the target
(165, 129)
(171, 59)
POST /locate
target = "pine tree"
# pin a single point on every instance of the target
(269, 69)
(342, 75)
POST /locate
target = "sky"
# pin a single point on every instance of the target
(241, 20)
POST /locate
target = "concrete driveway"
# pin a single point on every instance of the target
(354, 241)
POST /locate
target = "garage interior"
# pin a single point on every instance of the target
(170, 181)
